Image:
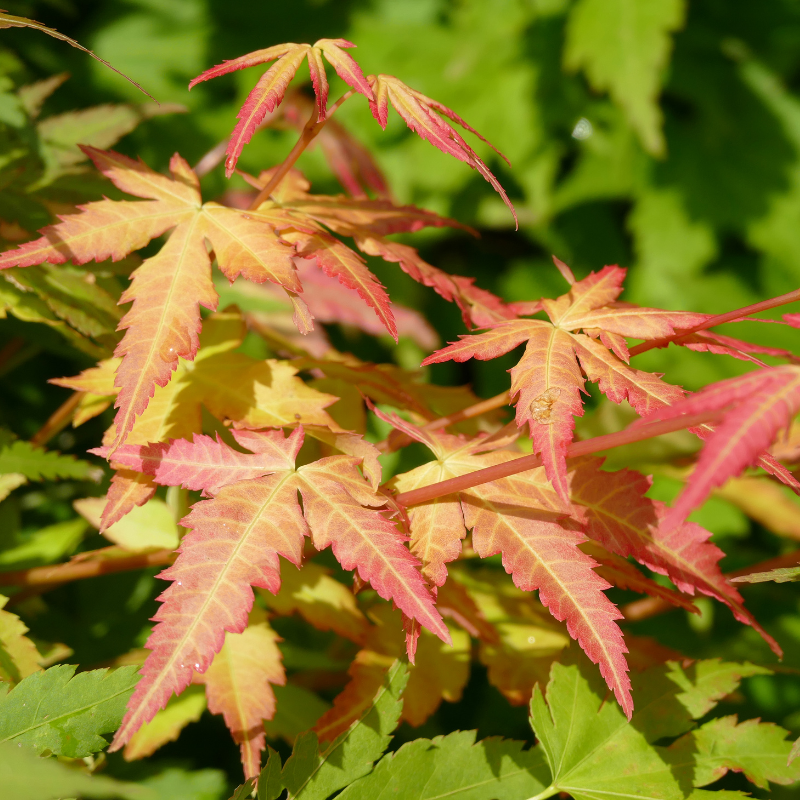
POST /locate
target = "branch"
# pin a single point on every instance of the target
(58, 420)
(398, 439)
(719, 319)
(594, 445)
(651, 606)
(86, 565)
(312, 128)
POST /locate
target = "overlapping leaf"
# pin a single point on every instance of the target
(167, 290)
(424, 116)
(65, 713)
(594, 753)
(237, 536)
(548, 380)
(239, 686)
(520, 517)
(271, 87)
(300, 217)
(757, 406)
(615, 511)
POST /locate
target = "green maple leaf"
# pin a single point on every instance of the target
(54, 711)
(623, 46)
(455, 766)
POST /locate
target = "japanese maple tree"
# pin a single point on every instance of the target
(275, 460)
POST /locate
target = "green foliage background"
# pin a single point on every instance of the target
(690, 176)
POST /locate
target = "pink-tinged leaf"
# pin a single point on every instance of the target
(493, 343)
(614, 342)
(614, 510)
(250, 60)
(339, 261)
(365, 540)
(244, 245)
(633, 321)
(319, 80)
(128, 489)
(710, 342)
(597, 289)
(479, 307)
(164, 321)
(203, 465)
(547, 383)
(621, 573)
(792, 319)
(239, 686)
(565, 271)
(351, 216)
(773, 467)
(234, 543)
(421, 117)
(451, 115)
(541, 554)
(331, 301)
(645, 391)
(266, 96)
(345, 65)
(759, 405)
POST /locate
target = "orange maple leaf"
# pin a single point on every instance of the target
(271, 87)
(237, 536)
(519, 517)
(166, 290)
(548, 379)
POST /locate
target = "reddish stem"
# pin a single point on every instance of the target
(58, 420)
(312, 128)
(398, 439)
(594, 445)
(719, 319)
(650, 606)
(85, 567)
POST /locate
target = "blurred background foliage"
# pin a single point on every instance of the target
(663, 136)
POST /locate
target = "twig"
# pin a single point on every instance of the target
(651, 606)
(719, 319)
(312, 128)
(86, 565)
(58, 420)
(594, 445)
(398, 439)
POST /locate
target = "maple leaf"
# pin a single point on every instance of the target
(302, 219)
(614, 510)
(424, 116)
(167, 289)
(232, 386)
(519, 517)
(237, 536)
(440, 672)
(756, 407)
(239, 686)
(271, 87)
(548, 380)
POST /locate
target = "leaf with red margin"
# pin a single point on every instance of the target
(518, 517)
(128, 489)
(707, 341)
(337, 260)
(239, 686)
(234, 543)
(614, 511)
(547, 381)
(271, 87)
(756, 407)
(420, 114)
(168, 289)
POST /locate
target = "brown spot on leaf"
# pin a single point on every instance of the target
(542, 406)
